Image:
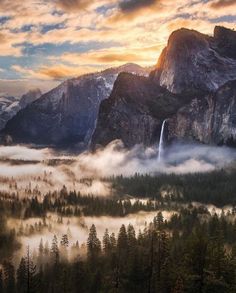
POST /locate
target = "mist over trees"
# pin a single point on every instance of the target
(193, 250)
(184, 254)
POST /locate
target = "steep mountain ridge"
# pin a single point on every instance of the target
(67, 114)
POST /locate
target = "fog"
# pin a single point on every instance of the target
(31, 231)
(47, 169)
(76, 228)
(30, 171)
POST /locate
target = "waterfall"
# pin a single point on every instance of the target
(161, 142)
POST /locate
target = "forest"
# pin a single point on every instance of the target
(191, 250)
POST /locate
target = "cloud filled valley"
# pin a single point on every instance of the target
(27, 172)
(46, 169)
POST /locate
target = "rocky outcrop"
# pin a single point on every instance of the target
(225, 42)
(193, 61)
(9, 105)
(135, 111)
(210, 120)
(66, 115)
(192, 87)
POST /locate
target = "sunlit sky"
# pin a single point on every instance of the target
(46, 41)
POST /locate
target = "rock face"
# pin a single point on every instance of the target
(135, 111)
(67, 114)
(225, 42)
(9, 106)
(192, 60)
(210, 120)
(192, 87)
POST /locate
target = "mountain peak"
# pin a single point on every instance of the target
(193, 61)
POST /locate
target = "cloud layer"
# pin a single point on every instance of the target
(56, 39)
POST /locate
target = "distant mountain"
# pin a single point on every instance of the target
(192, 87)
(9, 105)
(29, 97)
(67, 115)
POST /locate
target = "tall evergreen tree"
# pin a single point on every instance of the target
(31, 273)
(106, 243)
(93, 244)
(55, 250)
(22, 276)
(64, 247)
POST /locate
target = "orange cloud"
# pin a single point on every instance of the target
(145, 56)
(74, 5)
(62, 72)
(56, 72)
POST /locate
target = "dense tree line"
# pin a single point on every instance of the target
(192, 252)
(216, 187)
(71, 204)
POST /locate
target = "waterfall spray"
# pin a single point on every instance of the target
(161, 142)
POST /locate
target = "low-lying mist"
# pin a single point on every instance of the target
(26, 169)
(31, 231)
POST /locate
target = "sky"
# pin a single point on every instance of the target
(44, 42)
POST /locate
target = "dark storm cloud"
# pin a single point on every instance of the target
(128, 6)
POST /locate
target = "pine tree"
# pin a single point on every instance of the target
(93, 244)
(22, 276)
(64, 247)
(106, 243)
(41, 252)
(55, 250)
(113, 241)
(131, 237)
(65, 241)
(122, 241)
(31, 273)
(158, 221)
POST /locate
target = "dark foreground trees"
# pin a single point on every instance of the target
(164, 257)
